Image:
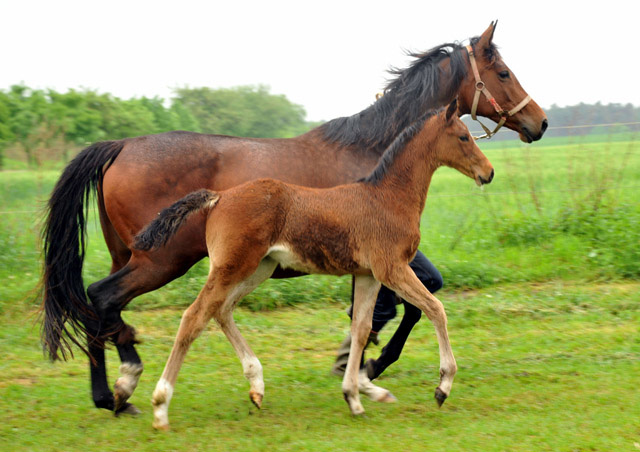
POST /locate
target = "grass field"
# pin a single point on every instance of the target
(542, 279)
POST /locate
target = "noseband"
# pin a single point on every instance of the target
(481, 88)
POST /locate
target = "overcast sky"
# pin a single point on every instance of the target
(329, 56)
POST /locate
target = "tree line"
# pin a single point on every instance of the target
(42, 125)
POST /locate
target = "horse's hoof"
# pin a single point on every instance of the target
(127, 408)
(440, 396)
(256, 399)
(370, 367)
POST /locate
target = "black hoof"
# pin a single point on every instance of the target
(106, 402)
(127, 408)
(370, 365)
(440, 397)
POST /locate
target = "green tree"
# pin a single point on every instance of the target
(27, 118)
(249, 111)
(6, 136)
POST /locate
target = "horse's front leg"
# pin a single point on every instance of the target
(365, 292)
(407, 285)
(391, 352)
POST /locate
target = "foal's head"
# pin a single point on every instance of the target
(457, 149)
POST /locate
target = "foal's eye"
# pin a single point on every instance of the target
(503, 74)
(464, 138)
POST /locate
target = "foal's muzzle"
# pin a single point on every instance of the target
(488, 180)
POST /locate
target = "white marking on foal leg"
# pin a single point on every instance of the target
(253, 372)
(127, 383)
(448, 366)
(375, 393)
(160, 400)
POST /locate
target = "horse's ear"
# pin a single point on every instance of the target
(452, 109)
(487, 37)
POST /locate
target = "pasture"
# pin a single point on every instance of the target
(541, 273)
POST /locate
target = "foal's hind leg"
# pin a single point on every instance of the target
(224, 317)
(408, 286)
(215, 300)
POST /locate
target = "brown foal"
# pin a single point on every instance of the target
(369, 229)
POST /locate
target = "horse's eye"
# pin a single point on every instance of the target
(464, 138)
(503, 74)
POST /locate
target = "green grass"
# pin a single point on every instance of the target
(541, 273)
(548, 367)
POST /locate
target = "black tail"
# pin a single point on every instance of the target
(67, 314)
(166, 224)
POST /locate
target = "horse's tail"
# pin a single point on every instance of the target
(67, 314)
(168, 222)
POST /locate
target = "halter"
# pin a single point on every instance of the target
(481, 88)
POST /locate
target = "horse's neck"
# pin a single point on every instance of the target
(376, 127)
(350, 163)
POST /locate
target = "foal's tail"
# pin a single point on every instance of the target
(166, 224)
(66, 312)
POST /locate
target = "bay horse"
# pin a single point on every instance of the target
(135, 178)
(369, 229)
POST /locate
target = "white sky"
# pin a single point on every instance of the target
(329, 56)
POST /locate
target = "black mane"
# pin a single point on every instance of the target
(396, 147)
(415, 90)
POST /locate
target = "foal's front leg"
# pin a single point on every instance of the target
(366, 289)
(407, 285)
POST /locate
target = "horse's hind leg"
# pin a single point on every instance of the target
(120, 255)
(110, 296)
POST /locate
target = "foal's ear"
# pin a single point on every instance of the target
(452, 109)
(485, 39)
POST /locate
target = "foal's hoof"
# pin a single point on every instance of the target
(127, 408)
(256, 399)
(440, 396)
(387, 398)
(161, 427)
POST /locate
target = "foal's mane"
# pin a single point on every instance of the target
(397, 146)
(418, 88)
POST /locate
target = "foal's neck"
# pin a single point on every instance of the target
(408, 176)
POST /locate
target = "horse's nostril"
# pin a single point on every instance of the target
(545, 124)
(491, 176)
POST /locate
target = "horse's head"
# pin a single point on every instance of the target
(492, 90)
(457, 149)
